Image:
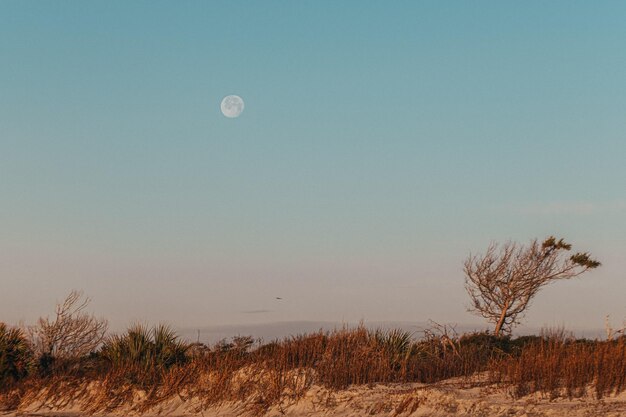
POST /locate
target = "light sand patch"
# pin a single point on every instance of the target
(454, 397)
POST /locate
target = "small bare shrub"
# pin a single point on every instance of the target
(72, 333)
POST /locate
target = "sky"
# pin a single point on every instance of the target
(380, 144)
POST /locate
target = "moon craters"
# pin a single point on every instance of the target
(232, 106)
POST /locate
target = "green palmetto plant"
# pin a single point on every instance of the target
(158, 347)
(16, 356)
(168, 349)
(396, 342)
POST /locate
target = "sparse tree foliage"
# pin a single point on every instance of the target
(72, 332)
(503, 281)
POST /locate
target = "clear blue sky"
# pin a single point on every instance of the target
(380, 144)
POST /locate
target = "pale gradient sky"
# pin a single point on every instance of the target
(381, 143)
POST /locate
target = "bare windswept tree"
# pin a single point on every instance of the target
(72, 332)
(503, 281)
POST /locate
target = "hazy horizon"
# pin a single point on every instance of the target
(381, 143)
(267, 332)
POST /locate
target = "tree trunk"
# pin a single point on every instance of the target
(500, 322)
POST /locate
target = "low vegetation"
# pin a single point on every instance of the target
(16, 356)
(158, 348)
(564, 367)
(156, 362)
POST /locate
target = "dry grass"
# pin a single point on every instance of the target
(565, 367)
(283, 371)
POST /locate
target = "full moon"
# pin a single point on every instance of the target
(232, 106)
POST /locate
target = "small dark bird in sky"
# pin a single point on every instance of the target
(278, 298)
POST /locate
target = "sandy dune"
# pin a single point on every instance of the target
(448, 398)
